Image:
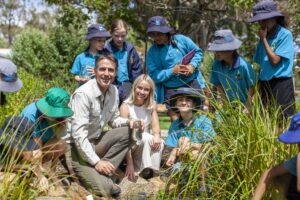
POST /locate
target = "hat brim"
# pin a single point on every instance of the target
(197, 97)
(104, 34)
(51, 111)
(161, 29)
(235, 44)
(11, 86)
(290, 137)
(263, 16)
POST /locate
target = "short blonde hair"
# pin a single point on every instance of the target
(150, 100)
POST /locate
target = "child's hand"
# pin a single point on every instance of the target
(171, 160)
(262, 33)
(91, 71)
(43, 184)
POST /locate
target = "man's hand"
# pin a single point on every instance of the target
(104, 167)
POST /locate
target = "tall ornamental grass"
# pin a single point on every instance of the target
(245, 146)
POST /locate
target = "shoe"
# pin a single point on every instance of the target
(115, 190)
(147, 173)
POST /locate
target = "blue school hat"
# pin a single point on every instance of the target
(224, 40)
(16, 132)
(97, 30)
(158, 24)
(266, 9)
(184, 91)
(292, 135)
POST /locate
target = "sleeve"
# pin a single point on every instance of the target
(172, 139)
(76, 67)
(116, 120)
(214, 75)
(136, 65)
(250, 75)
(79, 127)
(204, 132)
(284, 47)
(156, 72)
(190, 45)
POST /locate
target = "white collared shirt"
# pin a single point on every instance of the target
(92, 111)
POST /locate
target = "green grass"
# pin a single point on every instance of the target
(164, 122)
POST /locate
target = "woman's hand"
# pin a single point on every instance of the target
(155, 143)
(105, 167)
(130, 171)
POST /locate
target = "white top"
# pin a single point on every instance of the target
(140, 113)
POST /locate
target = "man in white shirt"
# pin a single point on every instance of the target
(94, 155)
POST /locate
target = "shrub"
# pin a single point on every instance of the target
(34, 52)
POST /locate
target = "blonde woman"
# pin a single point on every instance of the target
(140, 105)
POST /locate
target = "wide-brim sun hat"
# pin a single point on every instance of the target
(97, 31)
(9, 81)
(224, 40)
(292, 135)
(16, 133)
(184, 91)
(264, 10)
(158, 24)
(55, 104)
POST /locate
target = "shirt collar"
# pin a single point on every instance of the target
(236, 62)
(87, 53)
(116, 48)
(96, 90)
(182, 125)
(274, 35)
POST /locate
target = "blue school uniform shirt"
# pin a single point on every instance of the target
(162, 58)
(200, 131)
(83, 60)
(41, 126)
(281, 44)
(235, 80)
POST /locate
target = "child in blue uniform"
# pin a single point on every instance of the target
(129, 63)
(231, 74)
(84, 63)
(164, 61)
(43, 122)
(291, 166)
(189, 131)
(275, 54)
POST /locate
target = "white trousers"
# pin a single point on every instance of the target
(143, 156)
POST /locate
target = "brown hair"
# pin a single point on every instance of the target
(108, 56)
(117, 24)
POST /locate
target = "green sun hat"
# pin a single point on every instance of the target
(55, 103)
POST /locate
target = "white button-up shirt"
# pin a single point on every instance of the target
(92, 111)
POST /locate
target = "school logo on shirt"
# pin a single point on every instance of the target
(273, 46)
